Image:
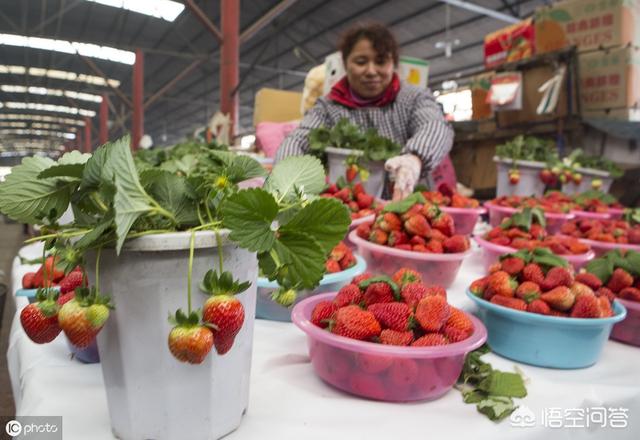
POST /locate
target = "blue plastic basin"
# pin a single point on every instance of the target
(266, 308)
(546, 341)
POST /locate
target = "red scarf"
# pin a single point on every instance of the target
(343, 94)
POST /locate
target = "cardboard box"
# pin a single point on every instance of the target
(610, 79)
(587, 24)
(273, 105)
(509, 44)
(480, 85)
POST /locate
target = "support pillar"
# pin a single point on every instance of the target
(137, 120)
(229, 60)
(78, 143)
(104, 118)
(87, 135)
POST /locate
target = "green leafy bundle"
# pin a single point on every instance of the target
(290, 228)
(524, 219)
(593, 194)
(491, 390)
(350, 137)
(604, 266)
(528, 148)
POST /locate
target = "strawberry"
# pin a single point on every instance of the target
(532, 272)
(394, 337)
(339, 251)
(604, 307)
(225, 313)
(501, 241)
(585, 306)
(455, 244)
(364, 200)
(40, 319)
(332, 266)
(560, 298)
(412, 293)
(407, 247)
(27, 280)
(353, 206)
(500, 283)
(589, 279)
(512, 303)
(432, 312)
(372, 363)
(630, 294)
(391, 315)
(557, 276)
(430, 340)
(528, 291)
(51, 267)
(430, 211)
(403, 372)
(347, 261)
(358, 189)
(416, 239)
(189, 341)
(71, 281)
(323, 312)
(355, 323)
(397, 238)
(364, 231)
(538, 306)
(444, 223)
(66, 297)
(378, 236)
(331, 189)
(360, 278)
(435, 290)
(417, 225)
(435, 247)
(389, 222)
(378, 293)
(351, 173)
(478, 286)
(368, 385)
(512, 265)
(84, 316)
(405, 276)
(619, 280)
(344, 194)
(606, 292)
(436, 235)
(579, 289)
(415, 209)
(459, 326)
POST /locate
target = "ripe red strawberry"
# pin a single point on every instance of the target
(579, 289)
(189, 341)
(347, 261)
(84, 316)
(393, 337)
(557, 276)
(226, 313)
(585, 306)
(349, 294)
(432, 312)
(339, 251)
(54, 272)
(417, 225)
(435, 247)
(430, 211)
(397, 238)
(71, 281)
(436, 235)
(459, 326)
(512, 303)
(405, 276)
(500, 283)
(416, 239)
(40, 319)
(528, 291)
(364, 200)
(359, 278)
(415, 209)
(412, 293)
(501, 241)
(403, 372)
(589, 279)
(331, 189)
(353, 206)
(389, 222)
(351, 173)
(391, 315)
(532, 272)
(364, 231)
(419, 248)
(332, 266)
(538, 306)
(355, 323)
(344, 194)
(619, 280)
(27, 280)
(604, 307)
(378, 293)
(378, 236)
(512, 265)
(322, 313)
(606, 292)
(435, 290)
(559, 298)
(66, 297)
(478, 286)
(444, 223)
(430, 340)
(455, 244)
(630, 294)
(372, 363)
(368, 385)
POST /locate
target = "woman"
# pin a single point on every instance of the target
(371, 96)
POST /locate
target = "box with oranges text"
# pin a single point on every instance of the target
(510, 44)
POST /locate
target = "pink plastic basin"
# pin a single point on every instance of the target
(491, 253)
(592, 215)
(602, 247)
(464, 219)
(616, 213)
(628, 331)
(383, 372)
(554, 220)
(440, 269)
(354, 224)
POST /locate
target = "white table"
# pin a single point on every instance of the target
(288, 401)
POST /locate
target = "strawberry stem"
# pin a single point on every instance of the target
(191, 248)
(220, 257)
(98, 252)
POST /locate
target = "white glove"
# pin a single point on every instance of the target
(404, 171)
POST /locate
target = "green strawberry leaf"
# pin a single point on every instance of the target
(538, 215)
(503, 384)
(474, 396)
(249, 215)
(222, 284)
(302, 172)
(545, 257)
(496, 408)
(69, 166)
(601, 267)
(523, 254)
(633, 260)
(301, 259)
(171, 191)
(381, 279)
(404, 205)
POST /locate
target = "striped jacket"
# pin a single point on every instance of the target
(414, 120)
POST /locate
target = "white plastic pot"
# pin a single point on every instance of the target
(150, 394)
(589, 175)
(529, 184)
(336, 158)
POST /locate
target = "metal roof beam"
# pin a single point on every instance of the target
(168, 86)
(99, 72)
(265, 20)
(482, 10)
(202, 18)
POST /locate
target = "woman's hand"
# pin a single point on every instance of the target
(404, 171)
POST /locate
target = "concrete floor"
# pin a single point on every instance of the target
(11, 238)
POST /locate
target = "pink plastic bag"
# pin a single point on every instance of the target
(269, 135)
